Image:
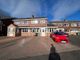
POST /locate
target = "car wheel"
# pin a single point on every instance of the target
(63, 42)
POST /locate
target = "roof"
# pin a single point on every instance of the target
(32, 17)
(6, 17)
(29, 18)
(64, 21)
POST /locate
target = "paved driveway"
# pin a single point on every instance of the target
(36, 48)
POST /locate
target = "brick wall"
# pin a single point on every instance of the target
(27, 34)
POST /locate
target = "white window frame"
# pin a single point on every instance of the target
(34, 22)
(42, 21)
(17, 22)
(74, 25)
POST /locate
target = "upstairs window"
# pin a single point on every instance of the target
(42, 21)
(34, 22)
(79, 24)
(24, 22)
(17, 22)
(66, 25)
(73, 24)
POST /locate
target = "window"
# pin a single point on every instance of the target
(33, 30)
(66, 30)
(74, 30)
(17, 22)
(59, 24)
(65, 24)
(50, 29)
(74, 24)
(79, 24)
(34, 22)
(24, 22)
(8, 29)
(42, 21)
(55, 24)
(24, 30)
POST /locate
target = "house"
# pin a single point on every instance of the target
(1, 24)
(39, 26)
(34, 26)
(4, 22)
(72, 27)
(31, 26)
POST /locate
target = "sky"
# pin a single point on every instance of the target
(52, 9)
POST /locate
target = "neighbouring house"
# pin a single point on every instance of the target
(4, 22)
(72, 27)
(1, 25)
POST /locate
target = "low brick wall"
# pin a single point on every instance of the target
(27, 34)
(48, 34)
(32, 34)
(72, 33)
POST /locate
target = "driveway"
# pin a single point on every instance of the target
(35, 48)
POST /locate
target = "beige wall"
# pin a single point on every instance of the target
(32, 34)
(29, 23)
(27, 34)
(48, 34)
(34, 25)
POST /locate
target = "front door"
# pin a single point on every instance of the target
(42, 32)
(11, 31)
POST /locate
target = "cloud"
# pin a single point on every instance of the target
(27, 8)
(21, 8)
(64, 8)
(8, 5)
(44, 8)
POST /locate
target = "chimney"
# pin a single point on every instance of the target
(64, 20)
(32, 16)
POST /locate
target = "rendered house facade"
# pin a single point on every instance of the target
(39, 26)
(35, 26)
(72, 27)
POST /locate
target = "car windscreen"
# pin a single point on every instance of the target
(59, 33)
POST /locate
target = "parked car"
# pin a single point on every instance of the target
(66, 34)
(60, 37)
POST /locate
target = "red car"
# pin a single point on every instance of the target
(59, 37)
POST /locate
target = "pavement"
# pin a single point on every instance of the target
(36, 48)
